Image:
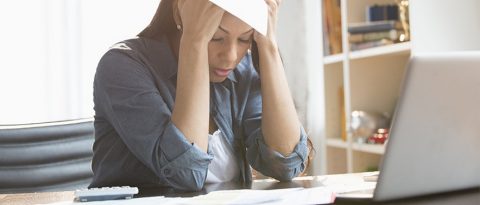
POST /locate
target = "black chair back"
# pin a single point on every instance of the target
(50, 156)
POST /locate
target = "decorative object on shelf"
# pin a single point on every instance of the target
(365, 124)
(403, 16)
(380, 137)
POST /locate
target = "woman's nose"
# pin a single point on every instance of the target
(229, 53)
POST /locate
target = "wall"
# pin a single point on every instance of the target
(445, 25)
(300, 42)
(50, 49)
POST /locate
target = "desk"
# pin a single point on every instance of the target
(471, 196)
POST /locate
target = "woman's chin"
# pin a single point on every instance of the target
(216, 79)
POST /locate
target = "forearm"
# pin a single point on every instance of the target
(278, 110)
(191, 109)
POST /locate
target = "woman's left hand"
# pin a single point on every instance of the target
(278, 109)
(269, 40)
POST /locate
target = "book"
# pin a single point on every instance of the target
(382, 12)
(376, 13)
(392, 12)
(365, 27)
(326, 43)
(333, 26)
(369, 44)
(392, 34)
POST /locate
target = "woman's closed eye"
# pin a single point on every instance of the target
(241, 40)
(245, 40)
(216, 39)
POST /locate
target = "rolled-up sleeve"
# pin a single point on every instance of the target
(263, 158)
(127, 94)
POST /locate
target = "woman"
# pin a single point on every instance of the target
(182, 105)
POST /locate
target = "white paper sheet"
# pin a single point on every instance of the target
(317, 195)
(143, 201)
(252, 12)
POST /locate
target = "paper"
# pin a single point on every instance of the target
(317, 195)
(242, 196)
(350, 185)
(144, 201)
(252, 12)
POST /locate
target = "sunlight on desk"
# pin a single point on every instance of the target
(299, 190)
(317, 195)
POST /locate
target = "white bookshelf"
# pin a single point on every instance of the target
(393, 49)
(337, 58)
(370, 80)
(365, 74)
(338, 143)
(360, 147)
(369, 148)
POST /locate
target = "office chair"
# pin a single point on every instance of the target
(50, 156)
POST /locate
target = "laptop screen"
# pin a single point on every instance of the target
(434, 143)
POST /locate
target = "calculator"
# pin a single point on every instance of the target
(105, 193)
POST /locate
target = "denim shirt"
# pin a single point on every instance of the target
(136, 142)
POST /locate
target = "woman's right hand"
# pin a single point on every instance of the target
(199, 18)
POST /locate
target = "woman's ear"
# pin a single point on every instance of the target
(176, 13)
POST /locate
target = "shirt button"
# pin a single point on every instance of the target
(167, 172)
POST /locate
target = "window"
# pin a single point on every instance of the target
(50, 50)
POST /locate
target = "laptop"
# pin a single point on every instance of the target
(434, 142)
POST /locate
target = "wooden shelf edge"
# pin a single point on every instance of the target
(331, 59)
(337, 143)
(369, 148)
(396, 48)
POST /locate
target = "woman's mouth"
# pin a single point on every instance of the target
(222, 72)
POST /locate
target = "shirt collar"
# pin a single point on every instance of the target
(161, 56)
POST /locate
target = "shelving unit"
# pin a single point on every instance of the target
(367, 80)
(333, 59)
(367, 148)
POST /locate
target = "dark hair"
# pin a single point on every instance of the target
(310, 156)
(164, 24)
